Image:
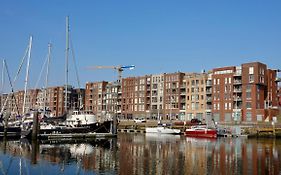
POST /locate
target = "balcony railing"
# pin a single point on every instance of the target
(238, 73)
(237, 90)
(208, 91)
(237, 82)
(237, 99)
(209, 83)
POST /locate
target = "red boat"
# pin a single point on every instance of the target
(201, 131)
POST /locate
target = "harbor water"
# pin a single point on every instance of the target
(140, 153)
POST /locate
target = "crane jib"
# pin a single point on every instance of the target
(128, 67)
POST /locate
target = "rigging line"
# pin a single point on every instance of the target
(77, 75)
(37, 82)
(22, 61)
(74, 60)
(16, 77)
(40, 75)
(11, 84)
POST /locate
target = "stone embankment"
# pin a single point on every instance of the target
(259, 130)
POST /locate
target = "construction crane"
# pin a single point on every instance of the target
(119, 69)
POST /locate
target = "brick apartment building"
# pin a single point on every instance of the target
(55, 99)
(94, 95)
(112, 100)
(157, 96)
(196, 102)
(244, 93)
(136, 97)
(103, 98)
(173, 101)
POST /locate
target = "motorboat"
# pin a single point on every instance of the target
(201, 131)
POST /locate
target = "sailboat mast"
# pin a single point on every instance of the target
(27, 74)
(66, 62)
(2, 78)
(47, 75)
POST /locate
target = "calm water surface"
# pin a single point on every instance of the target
(143, 154)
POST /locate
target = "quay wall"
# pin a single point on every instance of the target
(258, 130)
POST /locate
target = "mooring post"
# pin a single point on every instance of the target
(35, 127)
(34, 149)
(6, 119)
(114, 129)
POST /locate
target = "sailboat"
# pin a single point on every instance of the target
(13, 128)
(75, 122)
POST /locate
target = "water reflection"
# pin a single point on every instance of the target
(142, 154)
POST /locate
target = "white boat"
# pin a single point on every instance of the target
(162, 130)
(80, 118)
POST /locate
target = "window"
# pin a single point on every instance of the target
(218, 81)
(248, 88)
(192, 106)
(225, 80)
(251, 78)
(248, 105)
(248, 95)
(225, 106)
(251, 70)
(249, 116)
(229, 106)
(229, 80)
(218, 106)
(196, 105)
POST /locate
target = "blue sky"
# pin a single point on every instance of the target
(155, 35)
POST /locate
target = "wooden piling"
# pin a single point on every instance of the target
(114, 128)
(35, 127)
(6, 119)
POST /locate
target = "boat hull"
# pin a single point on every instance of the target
(207, 133)
(104, 127)
(162, 130)
(12, 132)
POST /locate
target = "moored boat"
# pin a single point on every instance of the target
(11, 131)
(76, 123)
(201, 131)
(161, 129)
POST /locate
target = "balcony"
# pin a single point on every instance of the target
(237, 90)
(236, 109)
(237, 82)
(237, 98)
(278, 79)
(183, 93)
(237, 74)
(209, 91)
(209, 83)
(209, 99)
